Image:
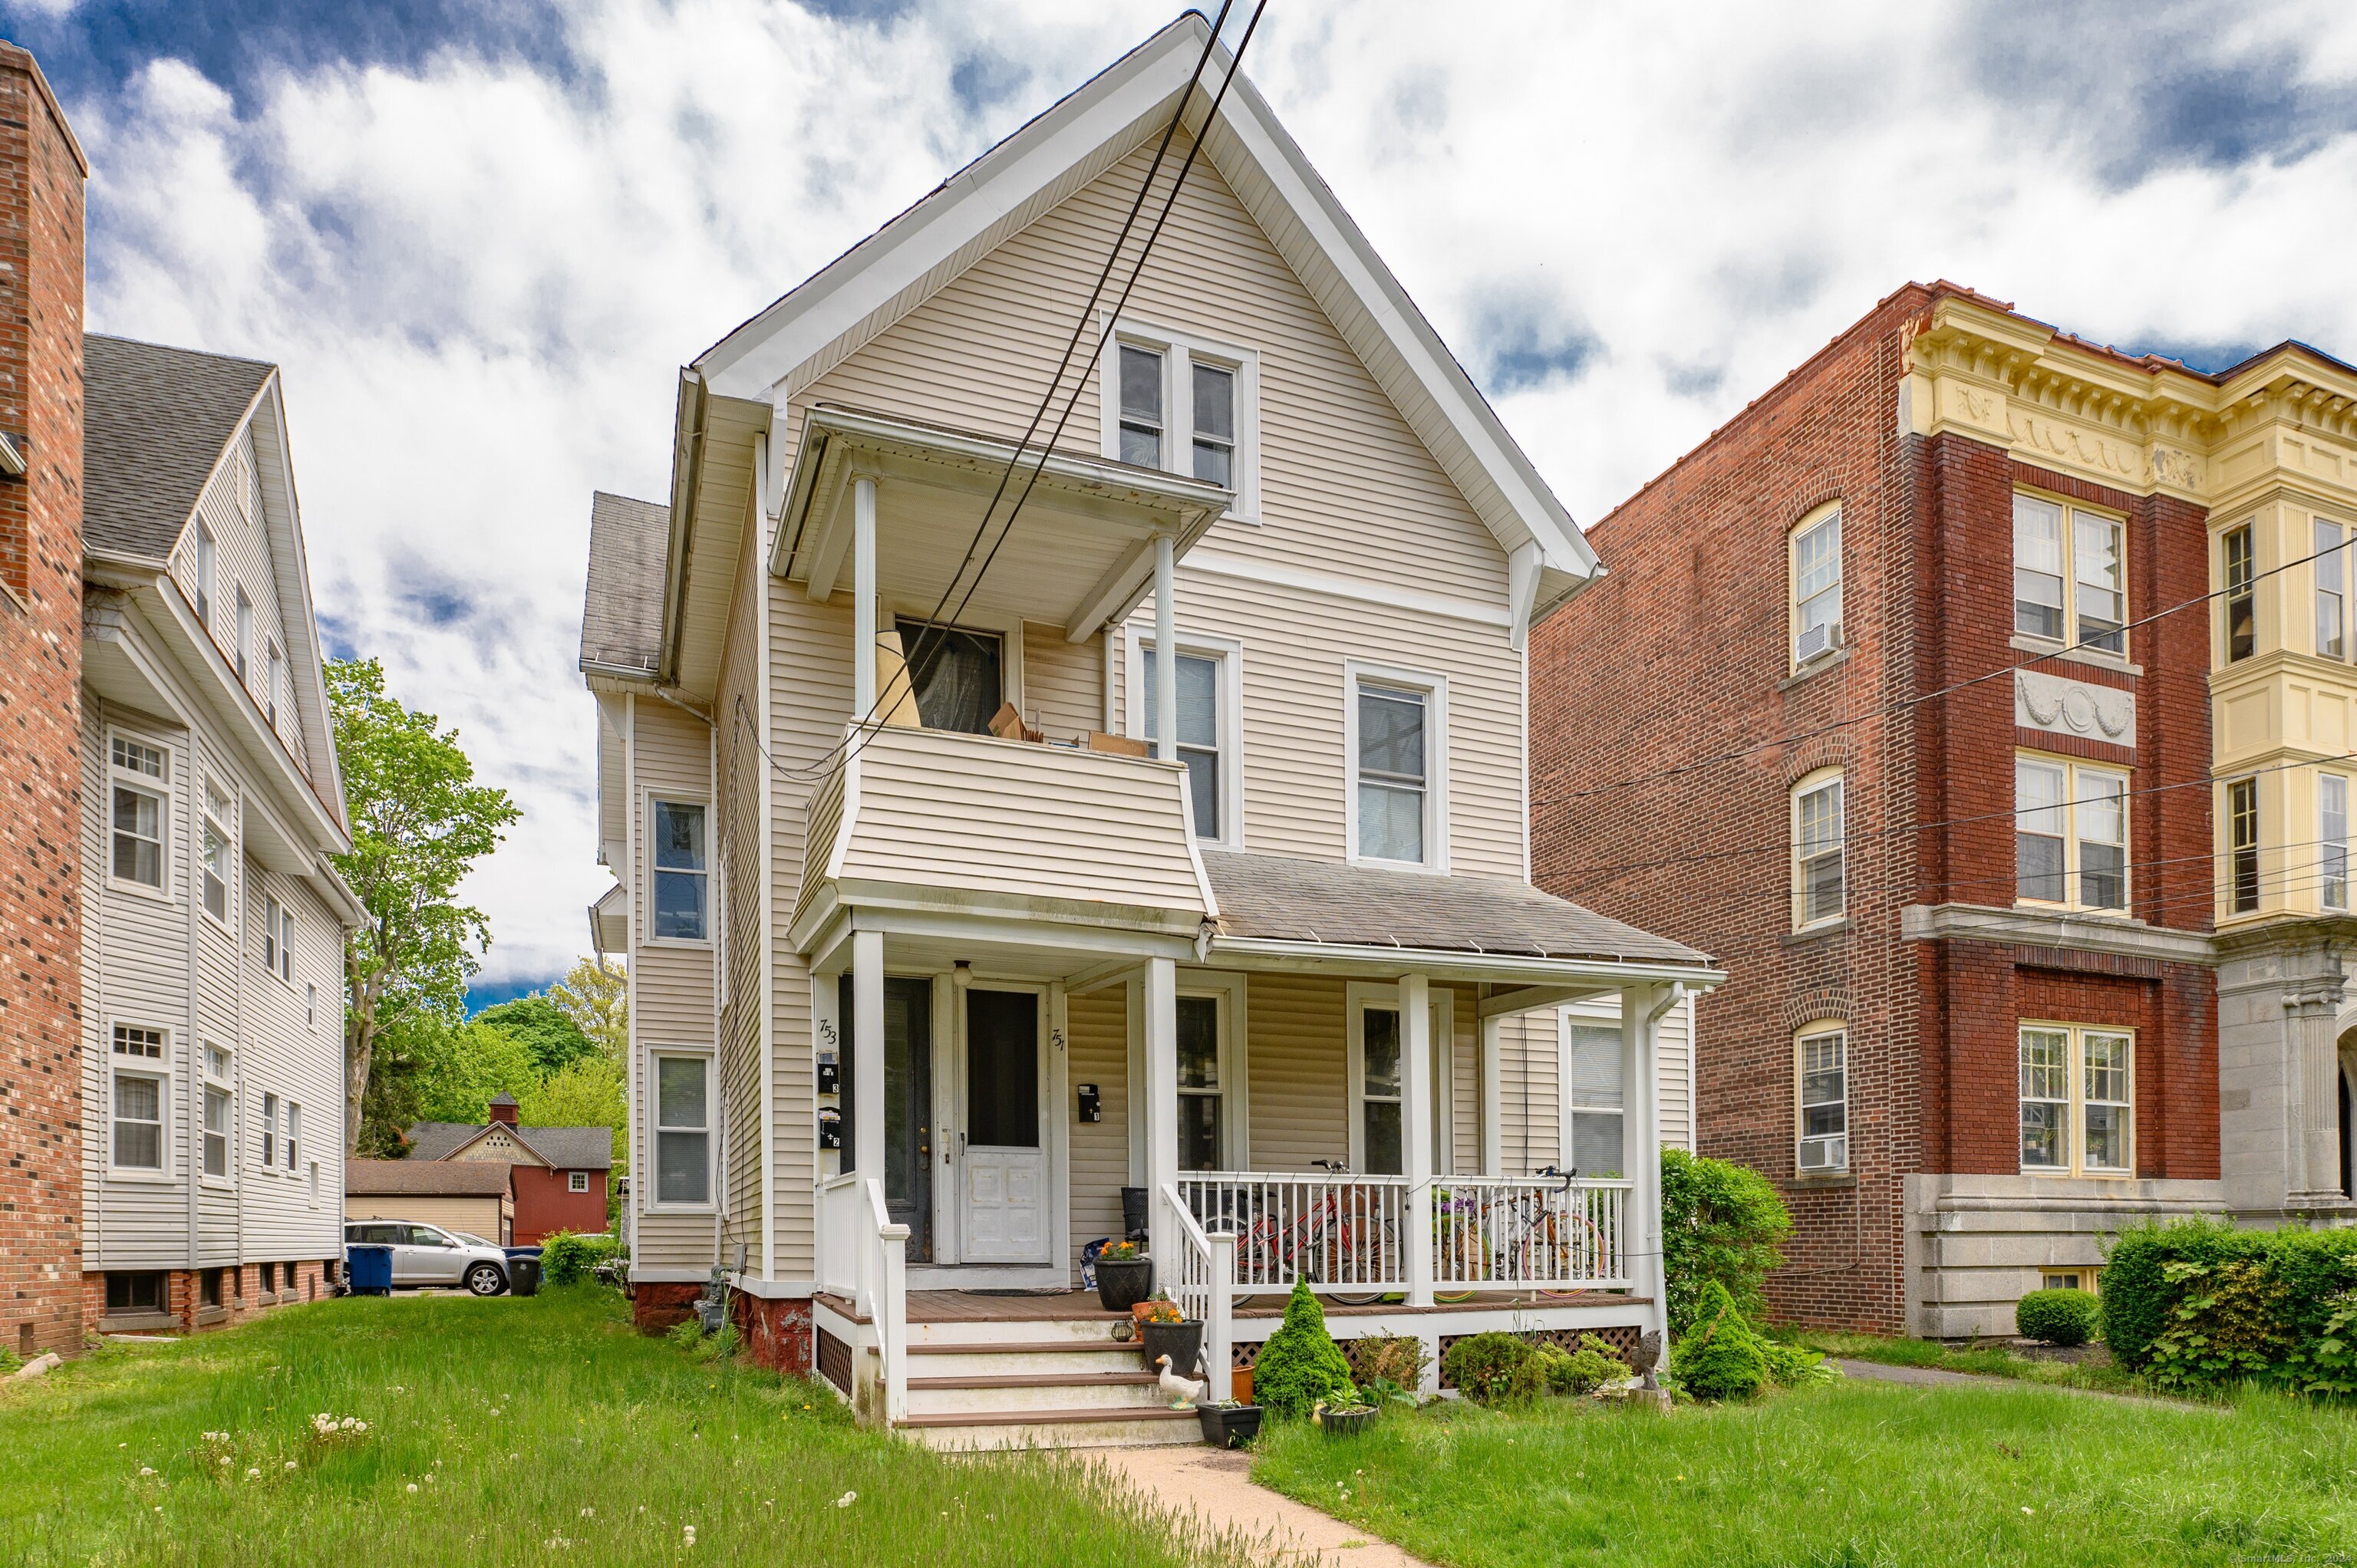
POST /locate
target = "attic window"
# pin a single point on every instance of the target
(1185, 405)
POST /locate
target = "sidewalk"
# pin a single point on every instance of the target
(1215, 1484)
(1935, 1377)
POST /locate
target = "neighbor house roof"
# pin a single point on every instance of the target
(621, 619)
(425, 1178)
(156, 421)
(564, 1148)
(1275, 898)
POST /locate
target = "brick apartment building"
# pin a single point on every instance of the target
(1870, 707)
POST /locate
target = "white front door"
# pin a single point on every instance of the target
(1003, 1197)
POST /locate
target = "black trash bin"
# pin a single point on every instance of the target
(523, 1275)
(1132, 1211)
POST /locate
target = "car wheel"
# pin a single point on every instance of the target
(486, 1279)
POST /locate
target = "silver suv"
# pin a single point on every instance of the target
(429, 1256)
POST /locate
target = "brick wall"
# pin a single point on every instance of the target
(1680, 655)
(41, 678)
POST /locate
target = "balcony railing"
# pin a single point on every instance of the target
(1529, 1233)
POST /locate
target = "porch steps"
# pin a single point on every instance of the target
(1036, 1382)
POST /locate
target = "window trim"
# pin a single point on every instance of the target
(162, 791)
(1809, 522)
(2228, 822)
(2070, 610)
(652, 1201)
(2074, 884)
(2074, 1133)
(1803, 1037)
(161, 1069)
(1227, 989)
(1359, 995)
(269, 1103)
(226, 1082)
(1008, 629)
(647, 937)
(1355, 674)
(2240, 598)
(1180, 350)
(1808, 784)
(2332, 852)
(206, 818)
(577, 1181)
(1567, 1105)
(1229, 654)
(278, 939)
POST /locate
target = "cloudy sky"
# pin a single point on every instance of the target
(482, 236)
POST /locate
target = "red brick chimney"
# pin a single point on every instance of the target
(503, 1108)
(42, 1291)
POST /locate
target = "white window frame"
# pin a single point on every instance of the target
(1836, 638)
(2333, 841)
(269, 1132)
(159, 1068)
(274, 666)
(1817, 1033)
(577, 1181)
(653, 1202)
(1235, 1113)
(204, 560)
(210, 821)
(1810, 785)
(1229, 654)
(1180, 350)
(1359, 996)
(2069, 542)
(1435, 688)
(224, 1083)
(647, 834)
(159, 790)
(245, 621)
(290, 1142)
(1568, 1105)
(278, 939)
(2074, 796)
(2076, 1100)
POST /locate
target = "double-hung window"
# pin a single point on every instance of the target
(221, 1113)
(202, 571)
(278, 939)
(137, 812)
(274, 674)
(2071, 834)
(1395, 751)
(2332, 565)
(1202, 733)
(1816, 586)
(1380, 1152)
(1594, 1101)
(244, 634)
(2077, 1112)
(2242, 845)
(679, 871)
(2332, 840)
(1202, 1109)
(1822, 1075)
(1818, 870)
(683, 1128)
(269, 1132)
(2070, 574)
(1141, 406)
(142, 1075)
(2240, 569)
(1215, 424)
(219, 812)
(293, 1134)
(1184, 405)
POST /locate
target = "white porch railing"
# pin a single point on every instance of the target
(863, 1253)
(1345, 1234)
(1529, 1233)
(1201, 1281)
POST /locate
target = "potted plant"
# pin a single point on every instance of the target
(1228, 1423)
(1164, 1330)
(1125, 1277)
(1349, 1412)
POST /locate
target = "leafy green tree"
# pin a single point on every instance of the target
(584, 1092)
(419, 823)
(1720, 1222)
(537, 1023)
(597, 997)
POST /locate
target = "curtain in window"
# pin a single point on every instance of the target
(956, 675)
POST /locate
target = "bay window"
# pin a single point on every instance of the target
(2239, 564)
(137, 812)
(2242, 845)
(2332, 840)
(220, 1121)
(219, 812)
(2332, 565)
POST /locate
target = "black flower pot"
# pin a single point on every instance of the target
(1182, 1342)
(1121, 1285)
(1345, 1423)
(1229, 1426)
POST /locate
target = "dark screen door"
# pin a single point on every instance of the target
(1002, 1074)
(908, 1104)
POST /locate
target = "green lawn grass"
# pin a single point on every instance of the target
(1850, 1474)
(509, 1431)
(1985, 1360)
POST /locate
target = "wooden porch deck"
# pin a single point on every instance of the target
(1061, 1307)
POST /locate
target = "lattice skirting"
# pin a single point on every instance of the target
(1621, 1336)
(834, 1360)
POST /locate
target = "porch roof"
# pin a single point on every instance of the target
(1279, 899)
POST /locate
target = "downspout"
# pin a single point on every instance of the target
(189, 1041)
(94, 1214)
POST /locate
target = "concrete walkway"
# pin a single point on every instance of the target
(1215, 1484)
(1935, 1377)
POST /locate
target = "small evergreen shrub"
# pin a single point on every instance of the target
(1300, 1364)
(1721, 1223)
(2064, 1317)
(1720, 1357)
(1494, 1368)
(567, 1258)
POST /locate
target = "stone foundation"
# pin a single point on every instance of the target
(658, 1306)
(775, 1334)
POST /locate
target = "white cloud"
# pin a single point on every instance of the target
(482, 277)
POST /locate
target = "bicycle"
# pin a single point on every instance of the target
(1330, 1242)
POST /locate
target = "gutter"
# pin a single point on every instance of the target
(1451, 961)
(688, 475)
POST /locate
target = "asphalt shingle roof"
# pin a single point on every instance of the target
(621, 619)
(564, 1148)
(425, 1178)
(1280, 898)
(153, 424)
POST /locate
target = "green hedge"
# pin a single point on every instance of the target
(2064, 1317)
(2200, 1302)
(1721, 1223)
(567, 1258)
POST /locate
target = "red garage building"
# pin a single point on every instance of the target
(556, 1173)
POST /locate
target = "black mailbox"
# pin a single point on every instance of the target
(1091, 1110)
(830, 1127)
(830, 1077)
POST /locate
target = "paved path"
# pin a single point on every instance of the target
(1215, 1484)
(1934, 1377)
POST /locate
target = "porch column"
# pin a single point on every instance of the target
(1165, 658)
(1416, 1131)
(1493, 1077)
(1161, 1089)
(863, 590)
(865, 1065)
(1643, 1007)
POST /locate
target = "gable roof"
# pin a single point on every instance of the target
(156, 421)
(435, 1178)
(880, 280)
(563, 1148)
(622, 614)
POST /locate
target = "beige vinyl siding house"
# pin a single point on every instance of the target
(213, 972)
(1198, 938)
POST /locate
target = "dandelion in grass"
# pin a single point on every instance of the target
(412, 1488)
(146, 1469)
(689, 1532)
(253, 1472)
(290, 1464)
(845, 1500)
